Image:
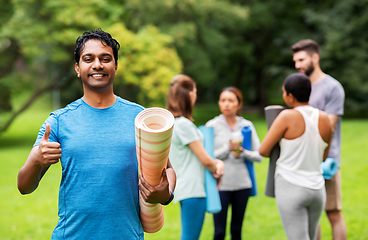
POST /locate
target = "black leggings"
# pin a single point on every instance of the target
(238, 200)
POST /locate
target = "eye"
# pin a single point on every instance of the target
(87, 59)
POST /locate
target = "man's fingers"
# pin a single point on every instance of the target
(164, 175)
(46, 135)
(144, 183)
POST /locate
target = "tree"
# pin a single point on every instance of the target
(206, 36)
(41, 36)
(344, 47)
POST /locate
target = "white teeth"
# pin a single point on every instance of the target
(97, 75)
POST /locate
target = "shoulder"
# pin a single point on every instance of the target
(128, 104)
(244, 122)
(288, 113)
(70, 107)
(288, 117)
(332, 83)
(213, 122)
(185, 130)
(184, 122)
(323, 118)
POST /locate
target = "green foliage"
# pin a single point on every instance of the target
(344, 47)
(206, 34)
(148, 61)
(38, 40)
(217, 42)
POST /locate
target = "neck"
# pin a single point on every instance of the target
(231, 120)
(298, 104)
(317, 75)
(99, 100)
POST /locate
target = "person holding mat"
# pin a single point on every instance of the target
(235, 183)
(94, 139)
(304, 133)
(189, 157)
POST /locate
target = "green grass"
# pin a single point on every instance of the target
(34, 216)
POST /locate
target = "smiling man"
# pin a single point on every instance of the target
(94, 139)
(327, 95)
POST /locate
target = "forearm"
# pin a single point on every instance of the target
(253, 156)
(222, 152)
(30, 174)
(203, 156)
(171, 177)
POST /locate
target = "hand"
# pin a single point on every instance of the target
(237, 153)
(234, 145)
(49, 152)
(235, 148)
(219, 169)
(157, 194)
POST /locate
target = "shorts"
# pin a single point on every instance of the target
(334, 193)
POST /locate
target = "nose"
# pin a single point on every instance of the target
(97, 64)
(297, 65)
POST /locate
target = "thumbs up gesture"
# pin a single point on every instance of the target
(49, 152)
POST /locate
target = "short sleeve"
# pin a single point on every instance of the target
(335, 100)
(210, 123)
(53, 121)
(186, 131)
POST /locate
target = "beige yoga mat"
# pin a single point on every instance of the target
(153, 131)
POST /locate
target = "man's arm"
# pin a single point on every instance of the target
(39, 160)
(333, 120)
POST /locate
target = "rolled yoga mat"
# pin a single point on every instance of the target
(329, 167)
(213, 202)
(153, 131)
(247, 144)
(271, 113)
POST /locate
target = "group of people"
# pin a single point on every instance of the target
(94, 140)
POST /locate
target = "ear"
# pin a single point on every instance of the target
(315, 58)
(77, 70)
(240, 106)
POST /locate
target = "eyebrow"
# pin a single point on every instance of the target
(103, 55)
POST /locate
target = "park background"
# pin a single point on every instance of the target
(219, 43)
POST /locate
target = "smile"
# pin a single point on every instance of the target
(97, 75)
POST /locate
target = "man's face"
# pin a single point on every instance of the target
(97, 66)
(303, 62)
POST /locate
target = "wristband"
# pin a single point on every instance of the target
(170, 199)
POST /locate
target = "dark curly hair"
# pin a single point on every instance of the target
(98, 34)
(299, 85)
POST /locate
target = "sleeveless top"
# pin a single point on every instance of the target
(300, 158)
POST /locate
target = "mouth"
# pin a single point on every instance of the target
(97, 75)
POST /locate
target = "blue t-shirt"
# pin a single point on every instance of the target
(98, 196)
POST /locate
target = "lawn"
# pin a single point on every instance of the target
(34, 216)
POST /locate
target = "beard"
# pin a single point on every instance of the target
(309, 70)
